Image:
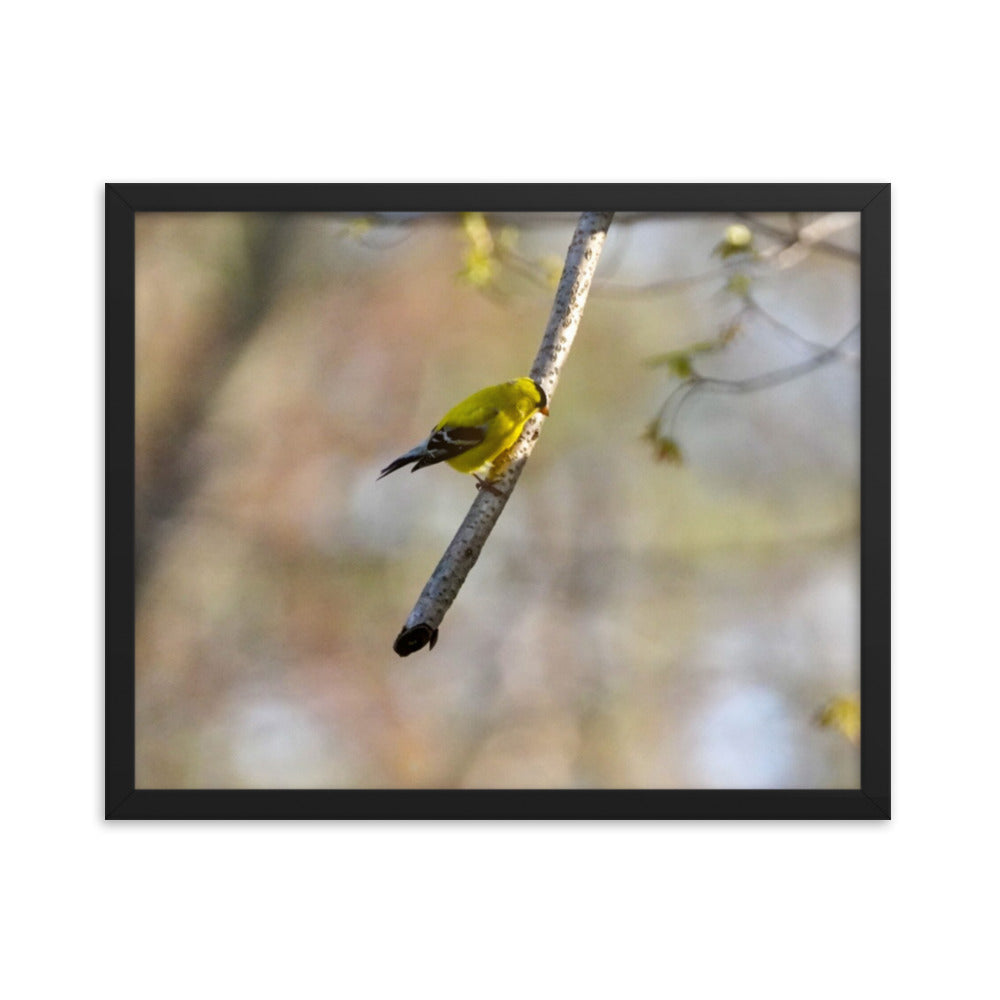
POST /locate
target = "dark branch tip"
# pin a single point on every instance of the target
(411, 639)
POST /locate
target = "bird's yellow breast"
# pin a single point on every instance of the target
(502, 411)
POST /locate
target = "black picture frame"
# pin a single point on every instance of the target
(124, 801)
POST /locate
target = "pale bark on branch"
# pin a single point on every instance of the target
(442, 588)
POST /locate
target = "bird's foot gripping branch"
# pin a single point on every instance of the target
(501, 422)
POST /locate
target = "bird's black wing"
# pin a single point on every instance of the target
(449, 442)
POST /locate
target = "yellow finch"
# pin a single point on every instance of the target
(473, 433)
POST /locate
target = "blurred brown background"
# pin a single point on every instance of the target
(632, 622)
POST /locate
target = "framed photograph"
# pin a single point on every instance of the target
(497, 501)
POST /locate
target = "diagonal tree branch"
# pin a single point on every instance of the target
(442, 588)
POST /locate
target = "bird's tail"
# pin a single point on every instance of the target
(411, 456)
